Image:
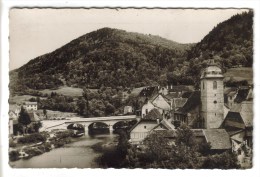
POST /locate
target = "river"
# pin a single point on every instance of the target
(78, 154)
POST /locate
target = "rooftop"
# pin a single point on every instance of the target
(154, 114)
(30, 103)
(218, 138)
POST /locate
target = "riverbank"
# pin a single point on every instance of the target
(28, 146)
(78, 154)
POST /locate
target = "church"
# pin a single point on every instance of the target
(205, 108)
(210, 112)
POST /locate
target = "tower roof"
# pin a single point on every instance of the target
(212, 71)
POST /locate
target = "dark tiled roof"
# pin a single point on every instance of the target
(166, 133)
(173, 95)
(241, 95)
(30, 103)
(247, 113)
(198, 132)
(166, 124)
(218, 138)
(242, 111)
(180, 88)
(148, 91)
(191, 103)
(228, 90)
(154, 114)
(179, 102)
(186, 94)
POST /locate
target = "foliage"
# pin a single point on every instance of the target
(12, 143)
(104, 102)
(231, 43)
(107, 57)
(32, 138)
(165, 149)
(225, 160)
(64, 134)
(114, 157)
(24, 118)
(13, 155)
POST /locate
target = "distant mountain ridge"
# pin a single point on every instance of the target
(230, 42)
(108, 57)
(116, 58)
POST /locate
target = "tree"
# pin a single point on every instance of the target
(45, 112)
(36, 126)
(24, 118)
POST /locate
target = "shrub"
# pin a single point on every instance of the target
(33, 138)
(64, 134)
(33, 151)
(13, 155)
(12, 143)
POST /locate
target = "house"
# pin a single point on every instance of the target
(163, 90)
(234, 95)
(179, 88)
(13, 120)
(218, 139)
(142, 128)
(159, 102)
(128, 110)
(189, 113)
(230, 94)
(239, 124)
(30, 106)
(148, 92)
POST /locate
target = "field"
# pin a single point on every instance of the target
(67, 91)
(20, 99)
(242, 73)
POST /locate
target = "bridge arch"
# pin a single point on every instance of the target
(126, 124)
(98, 127)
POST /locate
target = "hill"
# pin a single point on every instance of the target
(230, 42)
(106, 57)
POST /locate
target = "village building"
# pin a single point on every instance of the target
(161, 103)
(128, 110)
(13, 120)
(235, 95)
(143, 127)
(218, 139)
(163, 90)
(212, 96)
(189, 113)
(239, 124)
(30, 105)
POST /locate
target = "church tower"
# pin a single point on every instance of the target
(212, 96)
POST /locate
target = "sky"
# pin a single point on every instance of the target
(34, 32)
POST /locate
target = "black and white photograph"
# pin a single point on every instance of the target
(131, 88)
(91, 89)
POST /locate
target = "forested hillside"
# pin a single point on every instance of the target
(106, 57)
(116, 58)
(230, 42)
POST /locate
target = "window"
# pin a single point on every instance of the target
(144, 127)
(215, 85)
(146, 111)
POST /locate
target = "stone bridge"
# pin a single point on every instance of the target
(110, 121)
(86, 122)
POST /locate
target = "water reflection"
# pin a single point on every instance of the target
(75, 155)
